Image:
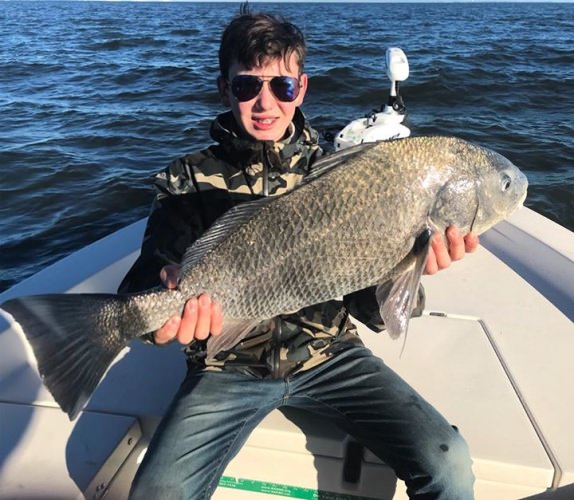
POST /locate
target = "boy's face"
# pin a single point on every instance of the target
(264, 117)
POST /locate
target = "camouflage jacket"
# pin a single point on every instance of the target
(193, 192)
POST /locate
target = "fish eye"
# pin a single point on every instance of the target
(505, 182)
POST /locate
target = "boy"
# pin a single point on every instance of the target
(312, 359)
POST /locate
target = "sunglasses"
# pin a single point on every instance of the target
(247, 87)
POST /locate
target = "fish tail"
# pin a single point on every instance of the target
(75, 338)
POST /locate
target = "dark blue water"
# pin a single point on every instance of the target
(97, 96)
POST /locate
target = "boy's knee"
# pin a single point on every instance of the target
(455, 467)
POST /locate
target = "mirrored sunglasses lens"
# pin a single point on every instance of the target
(246, 87)
(285, 88)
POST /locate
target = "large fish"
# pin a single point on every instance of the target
(364, 217)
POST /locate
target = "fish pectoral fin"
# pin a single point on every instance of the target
(397, 297)
(234, 331)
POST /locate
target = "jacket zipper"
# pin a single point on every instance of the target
(266, 164)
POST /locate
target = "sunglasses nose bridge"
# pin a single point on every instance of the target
(266, 91)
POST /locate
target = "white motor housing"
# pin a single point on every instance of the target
(386, 124)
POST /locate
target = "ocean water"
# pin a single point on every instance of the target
(95, 97)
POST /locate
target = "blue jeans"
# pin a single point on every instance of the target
(214, 412)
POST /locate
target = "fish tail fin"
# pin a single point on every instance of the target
(75, 337)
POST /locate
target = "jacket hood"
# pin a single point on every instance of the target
(248, 151)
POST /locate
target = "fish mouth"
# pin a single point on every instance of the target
(520, 203)
(524, 180)
(523, 199)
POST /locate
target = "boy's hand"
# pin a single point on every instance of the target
(441, 255)
(200, 316)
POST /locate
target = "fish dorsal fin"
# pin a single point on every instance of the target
(330, 161)
(240, 214)
(224, 225)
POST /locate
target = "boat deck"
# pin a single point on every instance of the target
(491, 352)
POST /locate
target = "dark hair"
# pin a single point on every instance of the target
(253, 39)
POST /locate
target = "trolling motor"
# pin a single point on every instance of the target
(397, 71)
(387, 123)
